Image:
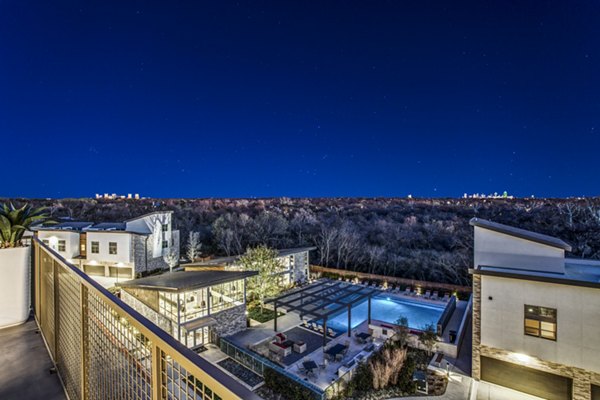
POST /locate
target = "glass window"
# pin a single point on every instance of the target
(95, 247)
(46, 241)
(540, 322)
(165, 228)
(112, 247)
(62, 245)
(226, 295)
(165, 244)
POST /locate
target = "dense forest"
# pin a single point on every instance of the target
(426, 239)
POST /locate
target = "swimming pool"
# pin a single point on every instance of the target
(388, 310)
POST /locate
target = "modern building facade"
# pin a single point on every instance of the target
(536, 314)
(115, 249)
(294, 265)
(195, 307)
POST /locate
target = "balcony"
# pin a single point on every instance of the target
(100, 347)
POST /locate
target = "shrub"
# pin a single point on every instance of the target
(15, 221)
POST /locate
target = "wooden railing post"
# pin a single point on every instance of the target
(157, 370)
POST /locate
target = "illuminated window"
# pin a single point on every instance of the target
(62, 245)
(95, 247)
(112, 247)
(540, 322)
(46, 241)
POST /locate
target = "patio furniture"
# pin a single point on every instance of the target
(320, 328)
(313, 326)
(407, 291)
(331, 332)
(309, 366)
(435, 296)
(324, 365)
(363, 337)
(446, 297)
(334, 350)
(280, 349)
(305, 323)
(339, 357)
(299, 347)
(369, 348)
(280, 338)
(427, 294)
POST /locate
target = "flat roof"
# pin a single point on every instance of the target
(520, 233)
(577, 273)
(232, 259)
(181, 281)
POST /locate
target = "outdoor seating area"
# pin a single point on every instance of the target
(324, 366)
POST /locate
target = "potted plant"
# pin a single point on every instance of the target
(15, 296)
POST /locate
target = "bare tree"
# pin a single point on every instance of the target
(171, 258)
(193, 246)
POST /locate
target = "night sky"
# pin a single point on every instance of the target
(300, 99)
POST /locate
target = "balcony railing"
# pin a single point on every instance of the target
(103, 349)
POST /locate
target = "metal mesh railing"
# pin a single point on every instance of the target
(103, 349)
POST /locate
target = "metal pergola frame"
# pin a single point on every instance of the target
(312, 301)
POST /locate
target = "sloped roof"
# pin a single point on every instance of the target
(520, 233)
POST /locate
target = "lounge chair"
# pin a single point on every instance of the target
(320, 328)
(407, 291)
(331, 332)
(446, 297)
(305, 323)
(435, 296)
(324, 365)
(427, 294)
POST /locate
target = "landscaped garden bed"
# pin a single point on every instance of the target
(261, 315)
(241, 372)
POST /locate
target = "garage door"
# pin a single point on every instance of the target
(120, 272)
(595, 392)
(94, 270)
(527, 380)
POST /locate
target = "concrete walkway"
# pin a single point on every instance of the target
(25, 366)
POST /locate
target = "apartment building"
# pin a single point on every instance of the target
(294, 265)
(119, 250)
(536, 314)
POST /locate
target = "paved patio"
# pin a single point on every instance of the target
(25, 372)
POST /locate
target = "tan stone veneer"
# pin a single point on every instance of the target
(582, 379)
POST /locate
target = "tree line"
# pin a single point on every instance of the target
(424, 239)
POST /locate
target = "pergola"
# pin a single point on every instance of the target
(323, 299)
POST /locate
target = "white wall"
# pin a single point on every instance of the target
(71, 241)
(578, 320)
(123, 241)
(153, 224)
(500, 250)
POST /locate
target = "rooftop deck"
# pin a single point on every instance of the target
(25, 372)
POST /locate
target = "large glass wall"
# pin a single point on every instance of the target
(195, 304)
(226, 295)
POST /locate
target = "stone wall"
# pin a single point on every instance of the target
(159, 320)
(143, 253)
(582, 379)
(230, 321)
(299, 267)
(476, 321)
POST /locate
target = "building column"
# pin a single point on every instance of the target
(324, 331)
(369, 310)
(275, 319)
(476, 362)
(582, 387)
(350, 320)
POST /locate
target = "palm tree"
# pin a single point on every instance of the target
(15, 221)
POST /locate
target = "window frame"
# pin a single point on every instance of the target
(165, 244)
(534, 318)
(97, 244)
(110, 248)
(61, 245)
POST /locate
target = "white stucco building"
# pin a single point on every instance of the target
(115, 249)
(536, 314)
(294, 265)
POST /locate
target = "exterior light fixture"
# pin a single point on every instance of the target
(522, 358)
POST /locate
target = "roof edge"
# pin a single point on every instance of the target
(520, 233)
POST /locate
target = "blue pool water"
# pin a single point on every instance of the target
(388, 310)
